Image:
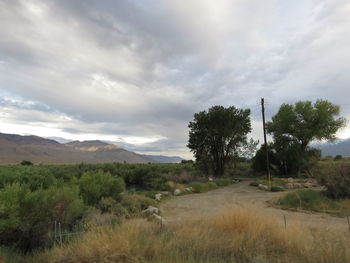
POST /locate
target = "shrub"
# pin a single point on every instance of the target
(336, 179)
(27, 217)
(35, 177)
(309, 200)
(275, 188)
(202, 187)
(111, 206)
(223, 181)
(95, 185)
(338, 157)
(144, 177)
(25, 162)
(135, 203)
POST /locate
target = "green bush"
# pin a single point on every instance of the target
(308, 200)
(202, 187)
(35, 177)
(27, 217)
(223, 181)
(275, 188)
(111, 206)
(135, 203)
(336, 179)
(25, 162)
(95, 185)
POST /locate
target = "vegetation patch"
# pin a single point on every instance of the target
(232, 235)
(314, 200)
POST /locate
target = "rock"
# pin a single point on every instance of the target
(210, 179)
(156, 218)
(296, 186)
(263, 187)
(177, 191)
(164, 192)
(158, 196)
(308, 185)
(290, 180)
(151, 210)
(289, 186)
(189, 189)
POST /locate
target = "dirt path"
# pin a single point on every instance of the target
(241, 194)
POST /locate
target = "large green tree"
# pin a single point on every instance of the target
(217, 135)
(294, 127)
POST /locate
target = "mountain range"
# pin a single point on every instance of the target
(15, 148)
(341, 147)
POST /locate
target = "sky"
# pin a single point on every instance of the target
(135, 72)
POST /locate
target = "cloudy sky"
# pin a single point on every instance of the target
(134, 72)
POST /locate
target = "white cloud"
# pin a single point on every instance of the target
(141, 69)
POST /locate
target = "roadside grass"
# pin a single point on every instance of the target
(277, 184)
(315, 200)
(232, 235)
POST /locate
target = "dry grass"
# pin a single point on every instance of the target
(234, 235)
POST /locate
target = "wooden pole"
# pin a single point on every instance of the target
(265, 142)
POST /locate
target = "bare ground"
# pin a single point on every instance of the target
(243, 195)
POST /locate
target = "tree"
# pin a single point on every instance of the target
(216, 136)
(295, 126)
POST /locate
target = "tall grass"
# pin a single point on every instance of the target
(233, 235)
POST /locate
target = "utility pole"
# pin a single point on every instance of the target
(266, 150)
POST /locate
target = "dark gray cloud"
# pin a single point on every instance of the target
(141, 69)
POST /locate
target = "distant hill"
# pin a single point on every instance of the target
(341, 147)
(165, 159)
(15, 148)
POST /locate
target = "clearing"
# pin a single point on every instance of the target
(243, 195)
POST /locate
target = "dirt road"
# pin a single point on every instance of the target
(241, 194)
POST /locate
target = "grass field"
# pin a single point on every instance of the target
(315, 200)
(230, 236)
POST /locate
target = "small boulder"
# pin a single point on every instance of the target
(189, 189)
(158, 197)
(210, 179)
(151, 210)
(164, 192)
(156, 218)
(308, 185)
(290, 180)
(263, 187)
(177, 191)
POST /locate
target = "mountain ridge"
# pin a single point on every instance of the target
(14, 148)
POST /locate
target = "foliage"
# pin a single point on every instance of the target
(202, 187)
(338, 157)
(25, 162)
(231, 235)
(259, 160)
(35, 177)
(26, 217)
(313, 200)
(216, 136)
(109, 205)
(336, 179)
(95, 185)
(223, 181)
(295, 126)
(135, 203)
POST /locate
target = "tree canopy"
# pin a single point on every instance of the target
(305, 122)
(216, 136)
(294, 127)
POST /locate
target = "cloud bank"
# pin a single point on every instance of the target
(135, 72)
